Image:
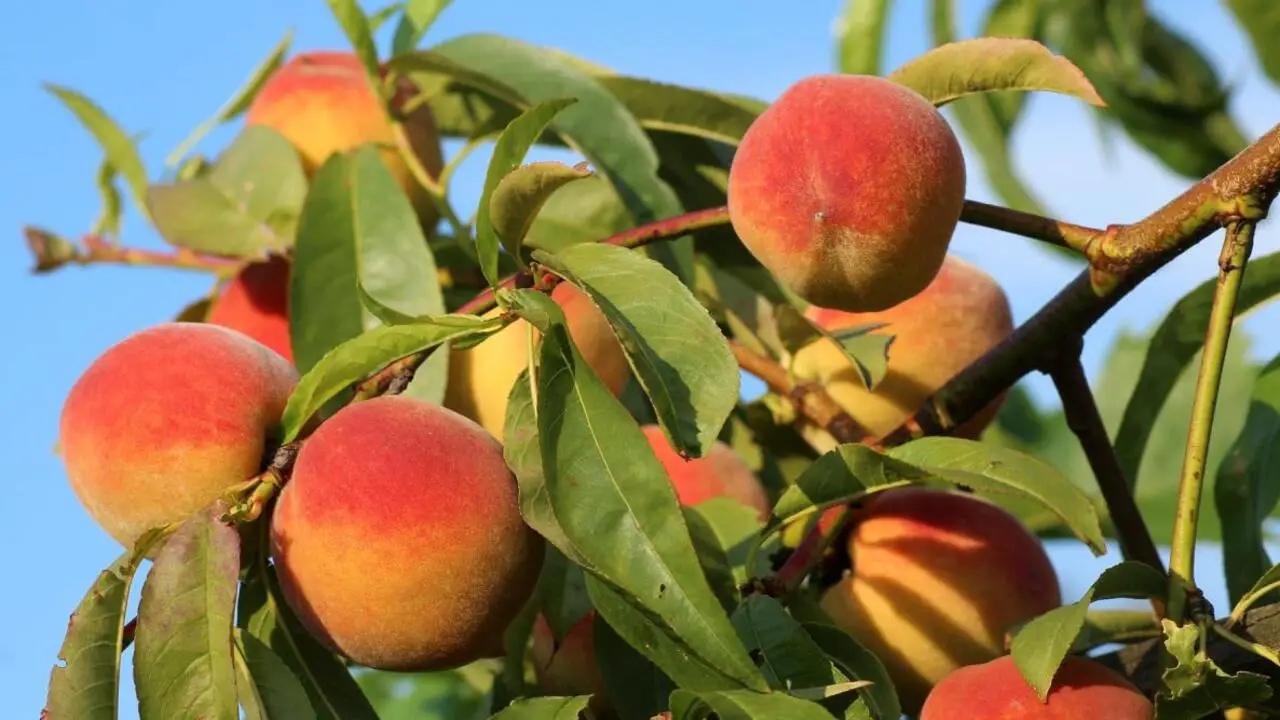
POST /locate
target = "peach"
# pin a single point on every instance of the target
(322, 103)
(166, 420)
(567, 667)
(938, 578)
(848, 189)
(1083, 689)
(256, 302)
(480, 377)
(720, 472)
(961, 315)
(398, 539)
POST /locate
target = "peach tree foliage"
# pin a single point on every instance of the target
(718, 617)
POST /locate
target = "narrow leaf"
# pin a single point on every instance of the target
(414, 22)
(355, 25)
(519, 196)
(860, 664)
(859, 36)
(982, 65)
(183, 665)
(119, 148)
(743, 705)
(512, 146)
(279, 694)
(679, 109)
(678, 353)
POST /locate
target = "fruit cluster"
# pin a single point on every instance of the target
(398, 539)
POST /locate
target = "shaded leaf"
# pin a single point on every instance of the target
(249, 202)
(545, 708)
(678, 353)
(513, 144)
(854, 660)
(1194, 686)
(1041, 645)
(743, 705)
(87, 687)
(787, 656)
(366, 353)
(182, 664)
(116, 144)
(273, 688)
(238, 102)
(860, 31)
(633, 685)
(980, 65)
(415, 21)
(723, 530)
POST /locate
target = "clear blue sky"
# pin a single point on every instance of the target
(160, 68)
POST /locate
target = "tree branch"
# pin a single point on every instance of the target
(1036, 227)
(52, 252)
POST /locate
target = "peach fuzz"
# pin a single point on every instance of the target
(938, 578)
(322, 103)
(480, 377)
(960, 316)
(848, 189)
(718, 473)
(568, 666)
(1083, 689)
(256, 302)
(167, 419)
(399, 541)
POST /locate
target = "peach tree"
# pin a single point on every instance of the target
(406, 461)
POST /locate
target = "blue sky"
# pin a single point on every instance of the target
(161, 68)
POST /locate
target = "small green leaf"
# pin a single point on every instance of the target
(545, 708)
(237, 103)
(366, 353)
(1261, 20)
(982, 65)
(743, 705)
(249, 202)
(182, 664)
(519, 196)
(87, 687)
(414, 23)
(1041, 645)
(108, 222)
(1194, 686)
(860, 34)
(679, 355)
(119, 148)
(275, 691)
(355, 25)
(512, 146)
(358, 236)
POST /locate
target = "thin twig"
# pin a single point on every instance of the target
(1036, 227)
(1086, 422)
(52, 252)
(1232, 261)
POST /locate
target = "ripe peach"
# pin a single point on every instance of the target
(321, 102)
(399, 541)
(567, 667)
(168, 418)
(480, 377)
(718, 473)
(1083, 689)
(961, 315)
(256, 302)
(848, 188)
(938, 578)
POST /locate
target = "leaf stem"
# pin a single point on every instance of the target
(1231, 263)
(1085, 421)
(1028, 225)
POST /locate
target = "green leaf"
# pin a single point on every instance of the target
(1248, 487)
(249, 202)
(1178, 338)
(355, 25)
(367, 353)
(787, 656)
(414, 22)
(264, 615)
(108, 222)
(358, 235)
(678, 109)
(512, 146)
(545, 708)
(1260, 19)
(1041, 645)
(580, 212)
(87, 687)
(723, 530)
(678, 353)
(271, 686)
(237, 103)
(182, 664)
(1268, 583)
(578, 442)
(982, 65)
(867, 350)
(995, 471)
(631, 682)
(855, 661)
(1011, 18)
(1194, 686)
(743, 705)
(860, 34)
(115, 143)
(520, 195)
(379, 17)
